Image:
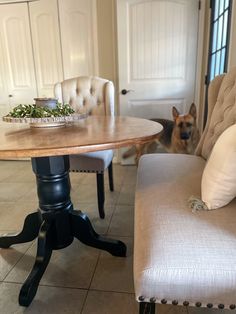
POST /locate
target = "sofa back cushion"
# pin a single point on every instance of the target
(221, 111)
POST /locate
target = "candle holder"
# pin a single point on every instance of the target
(50, 103)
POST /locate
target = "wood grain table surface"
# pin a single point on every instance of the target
(91, 134)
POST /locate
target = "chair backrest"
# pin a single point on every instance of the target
(88, 93)
(221, 111)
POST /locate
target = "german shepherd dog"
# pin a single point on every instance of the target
(179, 136)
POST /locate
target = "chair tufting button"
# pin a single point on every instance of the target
(175, 302)
(209, 305)
(221, 306)
(141, 298)
(198, 304)
(186, 303)
(163, 301)
(152, 300)
(232, 306)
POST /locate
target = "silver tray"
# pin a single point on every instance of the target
(47, 122)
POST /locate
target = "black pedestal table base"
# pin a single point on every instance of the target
(56, 223)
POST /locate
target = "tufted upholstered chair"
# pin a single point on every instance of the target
(182, 257)
(96, 96)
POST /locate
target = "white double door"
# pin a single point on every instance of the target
(157, 53)
(44, 42)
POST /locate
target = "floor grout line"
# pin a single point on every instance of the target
(85, 299)
(72, 288)
(89, 288)
(113, 291)
(113, 207)
(23, 254)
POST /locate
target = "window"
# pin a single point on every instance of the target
(219, 37)
(219, 42)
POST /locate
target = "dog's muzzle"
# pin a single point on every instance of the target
(184, 136)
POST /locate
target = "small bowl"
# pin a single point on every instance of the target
(50, 103)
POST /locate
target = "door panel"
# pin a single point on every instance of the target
(16, 51)
(79, 40)
(46, 44)
(157, 48)
(153, 38)
(3, 74)
(163, 106)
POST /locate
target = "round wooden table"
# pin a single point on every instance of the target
(56, 223)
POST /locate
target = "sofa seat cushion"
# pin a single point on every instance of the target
(91, 162)
(179, 254)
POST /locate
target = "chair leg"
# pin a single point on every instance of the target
(110, 176)
(100, 194)
(146, 308)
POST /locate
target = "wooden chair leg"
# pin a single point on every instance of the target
(110, 176)
(146, 308)
(100, 194)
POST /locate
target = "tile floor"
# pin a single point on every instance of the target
(79, 279)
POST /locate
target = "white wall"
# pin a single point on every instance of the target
(106, 39)
(107, 42)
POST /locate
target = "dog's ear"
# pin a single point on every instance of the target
(175, 113)
(193, 111)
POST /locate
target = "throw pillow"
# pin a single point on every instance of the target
(218, 186)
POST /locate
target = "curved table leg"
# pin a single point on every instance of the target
(29, 232)
(83, 231)
(44, 252)
(60, 223)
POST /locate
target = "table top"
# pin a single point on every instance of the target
(91, 134)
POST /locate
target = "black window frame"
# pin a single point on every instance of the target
(211, 52)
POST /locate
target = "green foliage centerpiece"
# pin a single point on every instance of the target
(46, 112)
(41, 111)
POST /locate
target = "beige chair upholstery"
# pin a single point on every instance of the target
(184, 257)
(94, 95)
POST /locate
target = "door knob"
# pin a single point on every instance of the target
(125, 91)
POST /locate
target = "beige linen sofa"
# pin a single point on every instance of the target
(183, 257)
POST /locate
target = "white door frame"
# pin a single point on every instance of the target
(95, 37)
(200, 55)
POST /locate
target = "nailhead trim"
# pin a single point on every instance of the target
(186, 303)
(86, 171)
(141, 298)
(221, 306)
